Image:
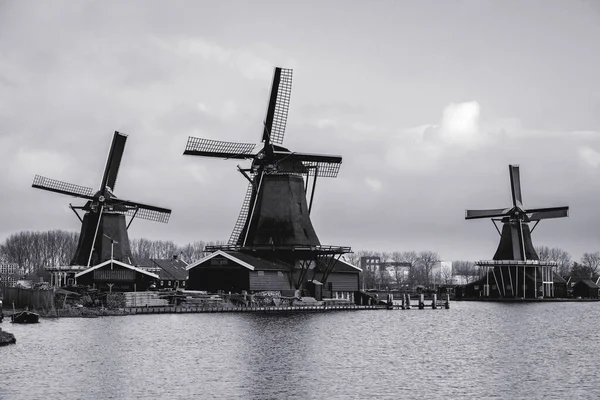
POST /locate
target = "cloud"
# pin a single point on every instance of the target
(251, 65)
(459, 126)
(421, 148)
(374, 184)
(589, 156)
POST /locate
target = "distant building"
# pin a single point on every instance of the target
(396, 272)
(370, 263)
(9, 274)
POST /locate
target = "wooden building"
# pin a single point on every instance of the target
(172, 272)
(586, 289)
(116, 276)
(233, 271)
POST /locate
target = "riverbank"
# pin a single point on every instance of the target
(83, 312)
(541, 300)
(6, 338)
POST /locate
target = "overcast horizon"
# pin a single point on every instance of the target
(427, 102)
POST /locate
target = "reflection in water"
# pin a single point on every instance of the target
(473, 350)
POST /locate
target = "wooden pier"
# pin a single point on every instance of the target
(264, 309)
(405, 305)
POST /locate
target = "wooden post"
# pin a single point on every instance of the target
(404, 301)
(422, 302)
(434, 301)
(447, 305)
(407, 301)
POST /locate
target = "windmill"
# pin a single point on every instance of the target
(103, 233)
(515, 250)
(275, 216)
(275, 210)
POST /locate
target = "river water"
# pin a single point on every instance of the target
(473, 350)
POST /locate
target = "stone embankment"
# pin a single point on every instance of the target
(6, 338)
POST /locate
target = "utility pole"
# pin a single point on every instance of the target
(112, 246)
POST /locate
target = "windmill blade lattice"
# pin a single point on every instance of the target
(278, 106)
(216, 148)
(144, 211)
(53, 185)
(323, 165)
(241, 220)
(282, 105)
(323, 169)
(150, 215)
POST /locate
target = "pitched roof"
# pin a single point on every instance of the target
(166, 269)
(345, 266)
(171, 269)
(222, 254)
(587, 282)
(245, 260)
(122, 264)
(263, 264)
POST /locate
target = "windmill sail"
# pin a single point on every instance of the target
(279, 104)
(53, 185)
(242, 217)
(515, 185)
(111, 171)
(216, 148)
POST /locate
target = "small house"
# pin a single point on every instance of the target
(116, 276)
(586, 289)
(172, 272)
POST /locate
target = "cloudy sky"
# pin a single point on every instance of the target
(428, 102)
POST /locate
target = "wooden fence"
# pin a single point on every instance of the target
(34, 299)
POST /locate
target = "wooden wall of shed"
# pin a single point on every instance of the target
(340, 281)
(269, 280)
(215, 278)
(34, 299)
(140, 283)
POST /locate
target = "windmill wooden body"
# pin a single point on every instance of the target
(103, 234)
(515, 270)
(274, 221)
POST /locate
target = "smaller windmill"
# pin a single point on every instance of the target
(516, 253)
(103, 233)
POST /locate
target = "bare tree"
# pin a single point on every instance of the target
(543, 253)
(192, 251)
(426, 261)
(591, 261)
(34, 251)
(465, 269)
(561, 257)
(446, 276)
(410, 257)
